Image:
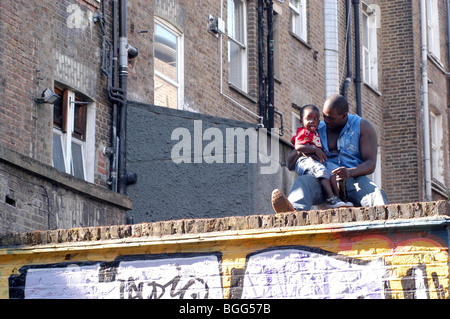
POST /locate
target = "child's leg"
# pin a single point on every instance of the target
(327, 187)
(334, 185)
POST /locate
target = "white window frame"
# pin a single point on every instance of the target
(242, 44)
(433, 29)
(179, 84)
(298, 19)
(370, 49)
(83, 148)
(437, 167)
(87, 146)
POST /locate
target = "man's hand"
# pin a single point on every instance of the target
(342, 173)
(320, 155)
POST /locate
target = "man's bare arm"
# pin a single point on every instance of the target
(292, 159)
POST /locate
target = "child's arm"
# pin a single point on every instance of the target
(307, 149)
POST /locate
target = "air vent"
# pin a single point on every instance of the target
(10, 201)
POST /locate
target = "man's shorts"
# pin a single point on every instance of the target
(306, 165)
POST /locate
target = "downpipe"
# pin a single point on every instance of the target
(270, 67)
(358, 79)
(424, 93)
(331, 48)
(349, 77)
(124, 178)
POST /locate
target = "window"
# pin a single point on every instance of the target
(237, 43)
(295, 118)
(437, 172)
(168, 53)
(433, 28)
(370, 56)
(298, 18)
(73, 134)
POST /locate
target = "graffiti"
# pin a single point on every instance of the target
(369, 266)
(301, 272)
(194, 287)
(439, 288)
(137, 277)
(415, 284)
(418, 266)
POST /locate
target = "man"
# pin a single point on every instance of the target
(350, 144)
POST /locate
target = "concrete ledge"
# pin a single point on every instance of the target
(412, 214)
(44, 171)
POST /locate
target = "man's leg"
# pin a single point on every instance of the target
(306, 192)
(361, 191)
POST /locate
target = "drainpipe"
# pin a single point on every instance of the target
(261, 75)
(124, 178)
(123, 77)
(348, 79)
(426, 128)
(109, 68)
(270, 68)
(448, 31)
(331, 48)
(358, 79)
(115, 151)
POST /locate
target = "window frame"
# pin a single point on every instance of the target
(295, 122)
(370, 49)
(298, 18)
(65, 131)
(436, 153)
(179, 83)
(241, 43)
(433, 41)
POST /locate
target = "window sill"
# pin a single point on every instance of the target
(436, 62)
(371, 88)
(295, 36)
(243, 93)
(277, 79)
(438, 187)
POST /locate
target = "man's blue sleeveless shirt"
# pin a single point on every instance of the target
(347, 144)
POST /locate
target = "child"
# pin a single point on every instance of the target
(307, 141)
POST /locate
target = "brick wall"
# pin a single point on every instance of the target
(300, 85)
(402, 114)
(34, 196)
(45, 44)
(400, 101)
(394, 251)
